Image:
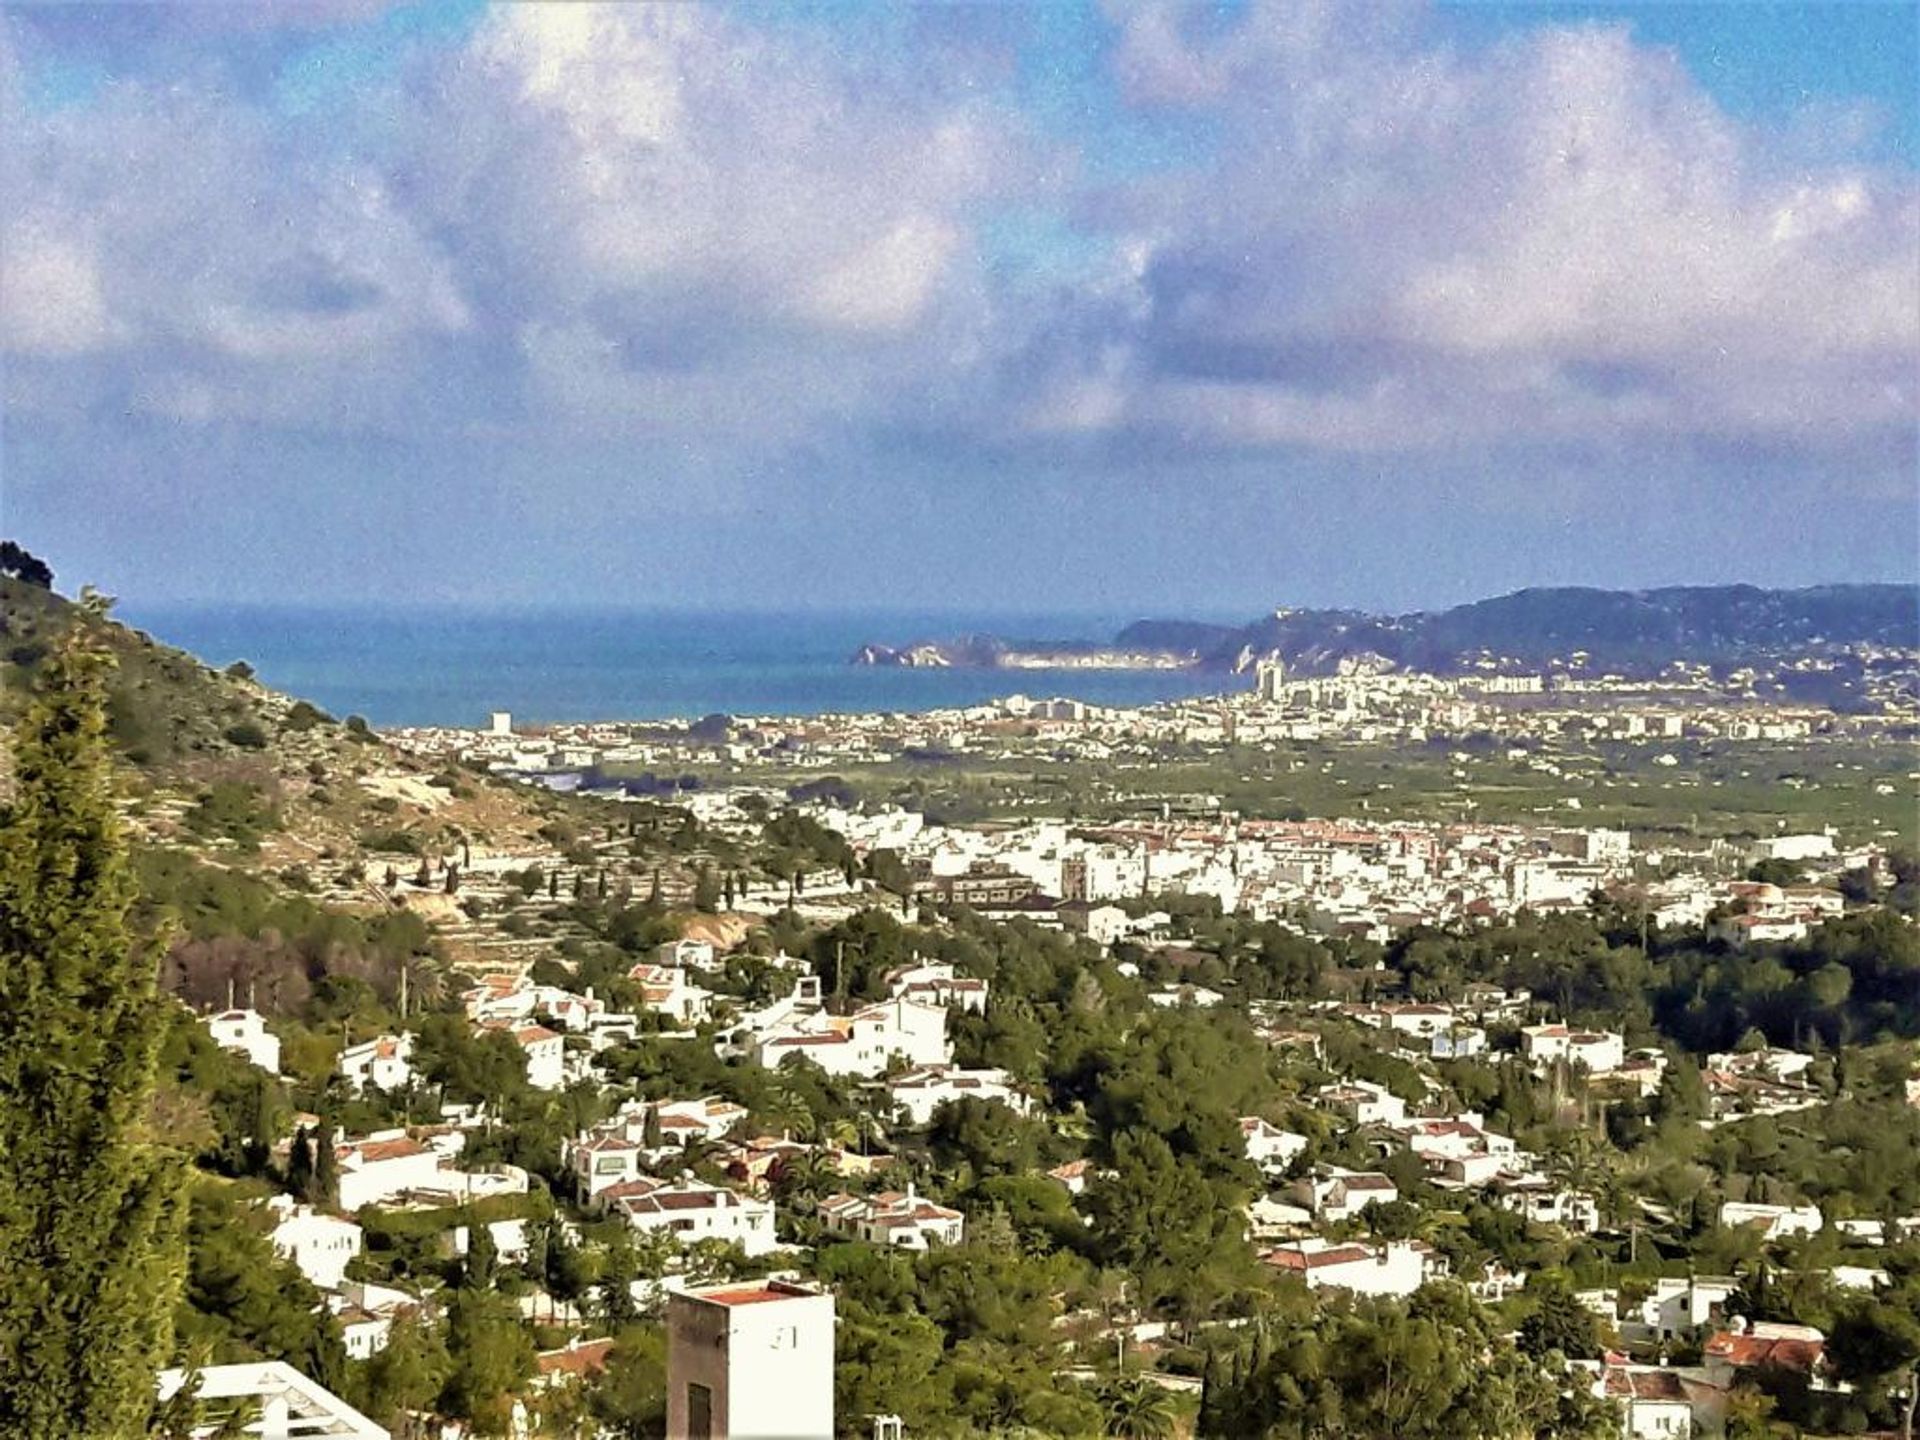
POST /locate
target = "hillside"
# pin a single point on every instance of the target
(219, 765)
(1630, 631)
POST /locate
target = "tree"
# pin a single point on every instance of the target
(706, 890)
(326, 1167)
(564, 1271)
(1558, 1322)
(90, 1208)
(23, 565)
(1876, 1344)
(483, 1256)
(651, 1135)
(408, 1373)
(630, 1396)
(300, 1165)
(492, 1355)
(1139, 1410)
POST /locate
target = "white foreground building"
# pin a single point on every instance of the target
(750, 1362)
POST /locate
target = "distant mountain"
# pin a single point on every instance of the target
(1628, 631)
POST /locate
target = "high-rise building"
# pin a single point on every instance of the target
(1270, 678)
(750, 1362)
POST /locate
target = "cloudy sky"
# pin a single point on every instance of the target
(983, 306)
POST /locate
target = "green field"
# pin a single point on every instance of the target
(1867, 791)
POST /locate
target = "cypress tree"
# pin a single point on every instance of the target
(91, 1210)
(483, 1256)
(300, 1166)
(1206, 1425)
(650, 1131)
(326, 1168)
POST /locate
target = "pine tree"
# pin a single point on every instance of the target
(326, 1168)
(90, 1209)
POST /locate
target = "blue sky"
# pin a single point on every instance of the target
(1150, 308)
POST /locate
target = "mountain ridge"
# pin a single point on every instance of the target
(1577, 627)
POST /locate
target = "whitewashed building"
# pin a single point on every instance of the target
(319, 1244)
(245, 1033)
(751, 1361)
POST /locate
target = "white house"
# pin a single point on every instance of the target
(1362, 1103)
(1740, 931)
(1774, 1222)
(320, 1245)
(510, 1240)
(1268, 1146)
(935, 983)
(678, 954)
(666, 990)
(1457, 1042)
(245, 1033)
(615, 1150)
(1542, 1202)
(1453, 1138)
(1332, 1193)
(385, 1164)
(1600, 1051)
(923, 1089)
(1678, 1307)
(385, 1063)
(690, 1211)
(1652, 1400)
(861, 1043)
(901, 1218)
(366, 1314)
(1398, 1269)
(546, 1052)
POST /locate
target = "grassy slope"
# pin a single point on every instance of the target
(305, 786)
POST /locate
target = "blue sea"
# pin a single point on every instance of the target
(449, 667)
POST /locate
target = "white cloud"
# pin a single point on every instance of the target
(1402, 245)
(51, 300)
(675, 223)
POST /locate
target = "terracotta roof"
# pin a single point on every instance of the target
(751, 1295)
(1626, 1384)
(585, 1358)
(1745, 1352)
(373, 1151)
(1290, 1258)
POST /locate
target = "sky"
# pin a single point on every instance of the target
(1117, 308)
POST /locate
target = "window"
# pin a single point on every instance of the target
(699, 1412)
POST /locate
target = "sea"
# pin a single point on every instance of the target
(429, 666)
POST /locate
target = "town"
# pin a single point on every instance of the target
(1391, 1059)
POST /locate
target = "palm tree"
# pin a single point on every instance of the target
(840, 1134)
(799, 1180)
(788, 1109)
(1138, 1410)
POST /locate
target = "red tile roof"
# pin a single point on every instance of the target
(584, 1358)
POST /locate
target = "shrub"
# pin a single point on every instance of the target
(247, 735)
